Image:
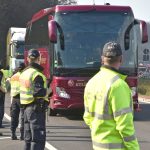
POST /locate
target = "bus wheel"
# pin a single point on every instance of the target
(52, 112)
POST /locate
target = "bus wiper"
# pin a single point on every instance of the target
(76, 70)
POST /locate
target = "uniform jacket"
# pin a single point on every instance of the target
(108, 111)
(37, 87)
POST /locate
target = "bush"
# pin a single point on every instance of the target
(142, 91)
(144, 86)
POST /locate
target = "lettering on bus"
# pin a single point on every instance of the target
(81, 84)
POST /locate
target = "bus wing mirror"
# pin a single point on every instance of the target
(144, 32)
(52, 31)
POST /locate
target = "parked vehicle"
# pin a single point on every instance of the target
(73, 37)
(15, 47)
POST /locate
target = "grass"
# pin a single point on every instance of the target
(144, 86)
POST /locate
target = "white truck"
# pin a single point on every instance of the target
(15, 47)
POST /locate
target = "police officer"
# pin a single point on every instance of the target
(108, 104)
(33, 95)
(16, 108)
(2, 95)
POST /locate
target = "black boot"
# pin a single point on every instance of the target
(13, 136)
(21, 136)
(21, 133)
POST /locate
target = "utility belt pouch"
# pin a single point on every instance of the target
(40, 105)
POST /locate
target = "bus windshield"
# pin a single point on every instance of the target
(19, 50)
(85, 34)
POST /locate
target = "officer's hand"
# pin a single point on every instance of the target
(49, 92)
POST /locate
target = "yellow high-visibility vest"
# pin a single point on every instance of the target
(6, 73)
(108, 112)
(15, 84)
(26, 85)
(3, 82)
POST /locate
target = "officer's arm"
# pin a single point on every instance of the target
(87, 116)
(38, 85)
(1, 76)
(121, 105)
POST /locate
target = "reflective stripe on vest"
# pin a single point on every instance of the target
(129, 138)
(109, 145)
(99, 116)
(115, 78)
(26, 92)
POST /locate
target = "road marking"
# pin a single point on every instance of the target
(2, 138)
(47, 145)
(7, 117)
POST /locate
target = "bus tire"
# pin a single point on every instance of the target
(52, 112)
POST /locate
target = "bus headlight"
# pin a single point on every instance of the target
(134, 91)
(62, 93)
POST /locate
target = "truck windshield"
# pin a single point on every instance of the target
(85, 34)
(19, 50)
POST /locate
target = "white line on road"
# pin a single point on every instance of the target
(2, 138)
(47, 145)
(7, 117)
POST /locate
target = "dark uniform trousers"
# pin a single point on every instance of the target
(34, 128)
(15, 110)
(2, 105)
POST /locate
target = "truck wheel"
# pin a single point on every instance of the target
(52, 112)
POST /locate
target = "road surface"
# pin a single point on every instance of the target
(70, 132)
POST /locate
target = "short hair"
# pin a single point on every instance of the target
(112, 49)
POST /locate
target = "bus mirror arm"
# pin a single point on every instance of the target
(61, 37)
(127, 35)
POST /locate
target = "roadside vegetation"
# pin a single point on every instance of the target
(144, 86)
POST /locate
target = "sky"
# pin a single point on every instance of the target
(141, 8)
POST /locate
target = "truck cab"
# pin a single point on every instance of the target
(15, 47)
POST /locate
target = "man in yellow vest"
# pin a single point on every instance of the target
(2, 95)
(16, 108)
(7, 74)
(108, 105)
(33, 96)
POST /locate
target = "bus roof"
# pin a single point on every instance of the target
(59, 8)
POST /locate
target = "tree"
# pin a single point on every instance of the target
(67, 2)
(16, 13)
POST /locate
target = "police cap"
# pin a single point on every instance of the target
(112, 49)
(21, 66)
(33, 53)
